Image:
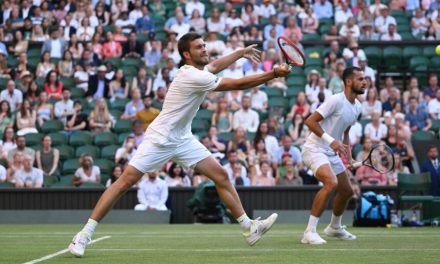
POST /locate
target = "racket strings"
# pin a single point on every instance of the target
(382, 159)
(293, 54)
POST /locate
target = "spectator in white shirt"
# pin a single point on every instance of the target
(343, 14)
(85, 31)
(419, 23)
(353, 52)
(368, 71)
(322, 88)
(350, 30)
(266, 9)
(136, 13)
(382, 22)
(180, 27)
(233, 21)
(255, 69)
(125, 23)
(87, 173)
(371, 104)
(12, 95)
(237, 174)
(375, 130)
(194, 4)
(391, 35)
(246, 117)
(233, 72)
(434, 106)
(376, 7)
(3, 175)
(64, 107)
(152, 193)
(214, 46)
(28, 176)
(216, 22)
(355, 133)
(259, 100)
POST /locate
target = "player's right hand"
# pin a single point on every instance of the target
(283, 70)
(340, 148)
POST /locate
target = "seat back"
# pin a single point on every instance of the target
(414, 182)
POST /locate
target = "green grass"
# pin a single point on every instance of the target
(217, 244)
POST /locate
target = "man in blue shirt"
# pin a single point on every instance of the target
(145, 24)
(417, 118)
(273, 24)
(323, 9)
(288, 149)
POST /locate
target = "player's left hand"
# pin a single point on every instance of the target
(252, 53)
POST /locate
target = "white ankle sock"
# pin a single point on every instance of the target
(89, 228)
(244, 222)
(313, 223)
(336, 221)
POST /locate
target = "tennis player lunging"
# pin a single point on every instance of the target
(169, 135)
(330, 125)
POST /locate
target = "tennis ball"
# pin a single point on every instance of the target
(437, 50)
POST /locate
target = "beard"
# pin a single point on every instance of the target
(358, 90)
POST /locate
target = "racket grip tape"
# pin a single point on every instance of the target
(357, 164)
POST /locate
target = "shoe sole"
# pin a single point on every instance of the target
(264, 231)
(337, 236)
(304, 241)
(73, 252)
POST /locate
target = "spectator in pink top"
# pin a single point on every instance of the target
(111, 48)
(52, 86)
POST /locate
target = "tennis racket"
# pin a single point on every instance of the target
(291, 52)
(380, 159)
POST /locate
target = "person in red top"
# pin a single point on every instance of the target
(111, 48)
(368, 176)
(53, 86)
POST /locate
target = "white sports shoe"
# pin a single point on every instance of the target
(312, 238)
(259, 228)
(340, 233)
(79, 243)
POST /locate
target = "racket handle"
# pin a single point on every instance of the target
(356, 164)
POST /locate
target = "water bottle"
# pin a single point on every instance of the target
(394, 219)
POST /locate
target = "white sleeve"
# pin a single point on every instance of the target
(2, 173)
(58, 110)
(329, 106)
(20, 97)
(39, 176)
(255, 122)
(205, 81)
(163, 195)
(141, 195)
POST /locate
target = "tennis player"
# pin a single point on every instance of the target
(169, 135)
(330, 125)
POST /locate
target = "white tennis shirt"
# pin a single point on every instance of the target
(338, 115)
(185, 95)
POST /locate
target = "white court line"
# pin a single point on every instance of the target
(220, 250)
(63, 251)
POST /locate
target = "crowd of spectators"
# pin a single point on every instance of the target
(257, 143)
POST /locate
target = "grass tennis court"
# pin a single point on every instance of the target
(217, 244)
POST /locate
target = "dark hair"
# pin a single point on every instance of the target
(184, 44)
(171, 171)
(48, 78)
(349, 73)
(30, 92)
(123, 81)
(112, 177)
(8, 112)
(432, 147)
(13, 134)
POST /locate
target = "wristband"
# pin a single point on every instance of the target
(275, 73)
(327, 138)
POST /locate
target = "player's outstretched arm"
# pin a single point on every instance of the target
(228, 84)
(250, 53)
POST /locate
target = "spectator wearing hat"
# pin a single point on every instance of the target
(367, 32)
(25, 80)
(382, 22)
(391, 34)
(98, 84)
(55, 45)
(12, 95)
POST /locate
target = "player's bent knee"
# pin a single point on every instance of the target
(221, 177)
(331, 184)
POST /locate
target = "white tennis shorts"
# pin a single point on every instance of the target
(150, 156)
(314, 160)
